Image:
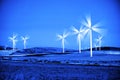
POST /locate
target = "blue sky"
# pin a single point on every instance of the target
(42, 20)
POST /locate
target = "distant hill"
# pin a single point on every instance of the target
(54, 50)
(1, 47)
(38, 50)
(5, 48)
(106, 48)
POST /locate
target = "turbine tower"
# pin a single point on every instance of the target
(62, 37)
(24, 38)
(14, 40)
(90, 29)
(79, 36)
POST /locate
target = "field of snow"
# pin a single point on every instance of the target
(16, 70)
(104, 58)
(5, 52)
(104, 65)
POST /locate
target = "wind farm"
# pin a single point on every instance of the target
(59, 40)
(95, 55)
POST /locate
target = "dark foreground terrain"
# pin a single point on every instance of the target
(14, 70)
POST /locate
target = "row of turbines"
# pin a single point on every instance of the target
(86, 28)
(14, 40)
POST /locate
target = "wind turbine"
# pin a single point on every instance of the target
(99, 40)
(90, 29)
(96, 46)
(24, 38)
(14, 40)
(62, 37)
(79, 36)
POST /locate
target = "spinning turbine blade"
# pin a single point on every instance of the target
(75, 30)
(88, 21)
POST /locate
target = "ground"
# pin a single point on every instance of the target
(104, 65)
(15, 70)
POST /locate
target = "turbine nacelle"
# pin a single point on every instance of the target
(63, 36)
(24, 38)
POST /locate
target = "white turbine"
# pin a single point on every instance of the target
(62, 37)
(99, 40)
(14, 40)
(90, 29)
(79, 36)
(24, 38)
